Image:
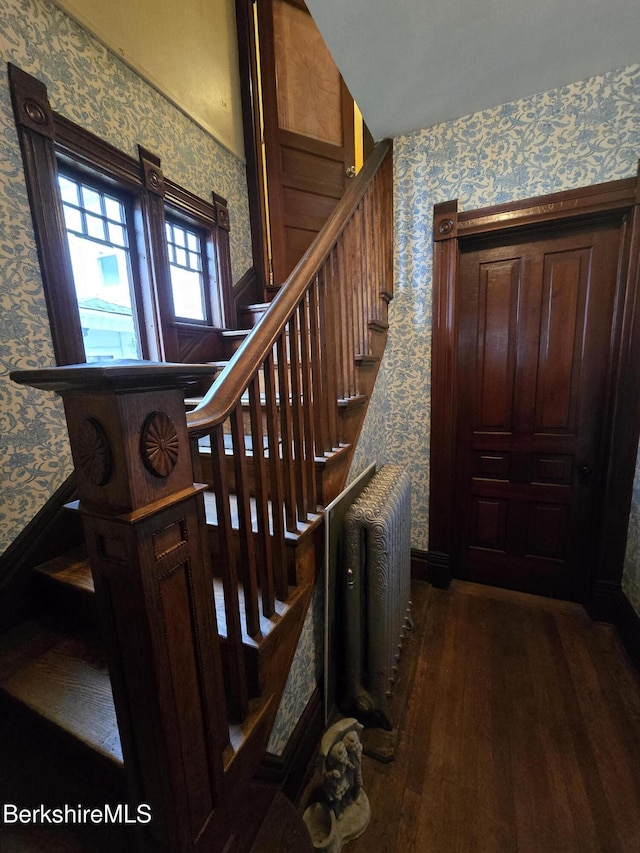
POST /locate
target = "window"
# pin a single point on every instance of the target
(187, 266)
(133, 265)
(97, 229)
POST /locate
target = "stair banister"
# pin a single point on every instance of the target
(231, 382)
(284, 385)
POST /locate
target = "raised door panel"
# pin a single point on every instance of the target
(562, 332)
(498, 288)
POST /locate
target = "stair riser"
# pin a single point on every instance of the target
(62, 605)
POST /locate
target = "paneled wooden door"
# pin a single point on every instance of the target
(534, 322)
(308, 133)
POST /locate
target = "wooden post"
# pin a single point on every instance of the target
(146, 537)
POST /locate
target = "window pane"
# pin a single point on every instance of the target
(117, 234)
(194, 262)
(95, 227)
(91, 200)
(187, 294)
(68, 190)
(114, 209)
(73, 219)
(102, 277)
(187, 280)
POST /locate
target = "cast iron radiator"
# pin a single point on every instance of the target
(376, 588)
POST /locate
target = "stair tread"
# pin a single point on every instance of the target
(81, 576)
(235, 333)
(211, 512)
(353, 402)
(267, 624)
(65, 681)
(70, 569)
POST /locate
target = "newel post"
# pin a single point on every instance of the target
(144, 525)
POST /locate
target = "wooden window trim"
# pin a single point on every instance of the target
(46, 136)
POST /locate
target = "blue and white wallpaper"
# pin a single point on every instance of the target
(89, 85)
(305, 673)
(581, 134)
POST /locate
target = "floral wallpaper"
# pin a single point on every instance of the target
(305, 673)
(89, 85)
(580, 134)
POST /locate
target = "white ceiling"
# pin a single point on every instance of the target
(412, 63)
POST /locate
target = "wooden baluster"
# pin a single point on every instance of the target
(227, 565)
(378, 245)
(298, 421)
(331, 345)
(286, 431)
(248, 567)
(276, 481)
(387, 242)
(352, 345)
(265, 557)
(354, 296)
(318, 368)
(354, 230)
(308, 404)
(349, 313)
(344, 310)
(367, 260)
(363, 256)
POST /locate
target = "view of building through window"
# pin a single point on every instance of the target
(99, 246)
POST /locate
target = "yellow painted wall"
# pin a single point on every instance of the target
(187, 50)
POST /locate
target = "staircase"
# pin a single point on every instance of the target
(204, 539)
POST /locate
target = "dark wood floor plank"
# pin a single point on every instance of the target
(520, 733)
(610, 734)
(414, 743)
(566, 753)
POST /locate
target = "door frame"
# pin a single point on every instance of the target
(619, 199)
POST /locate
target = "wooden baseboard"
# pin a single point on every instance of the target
(627, 623)
(431, 566)
(419, 565)
(605, 603)
(291, 770)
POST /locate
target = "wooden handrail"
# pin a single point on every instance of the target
(229, 385)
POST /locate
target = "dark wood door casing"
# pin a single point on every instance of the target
(454, 233)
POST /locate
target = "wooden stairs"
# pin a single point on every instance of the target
(157, 652)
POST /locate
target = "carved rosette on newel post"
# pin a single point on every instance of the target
(146, 536)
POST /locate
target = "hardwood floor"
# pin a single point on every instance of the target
(519, 732)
